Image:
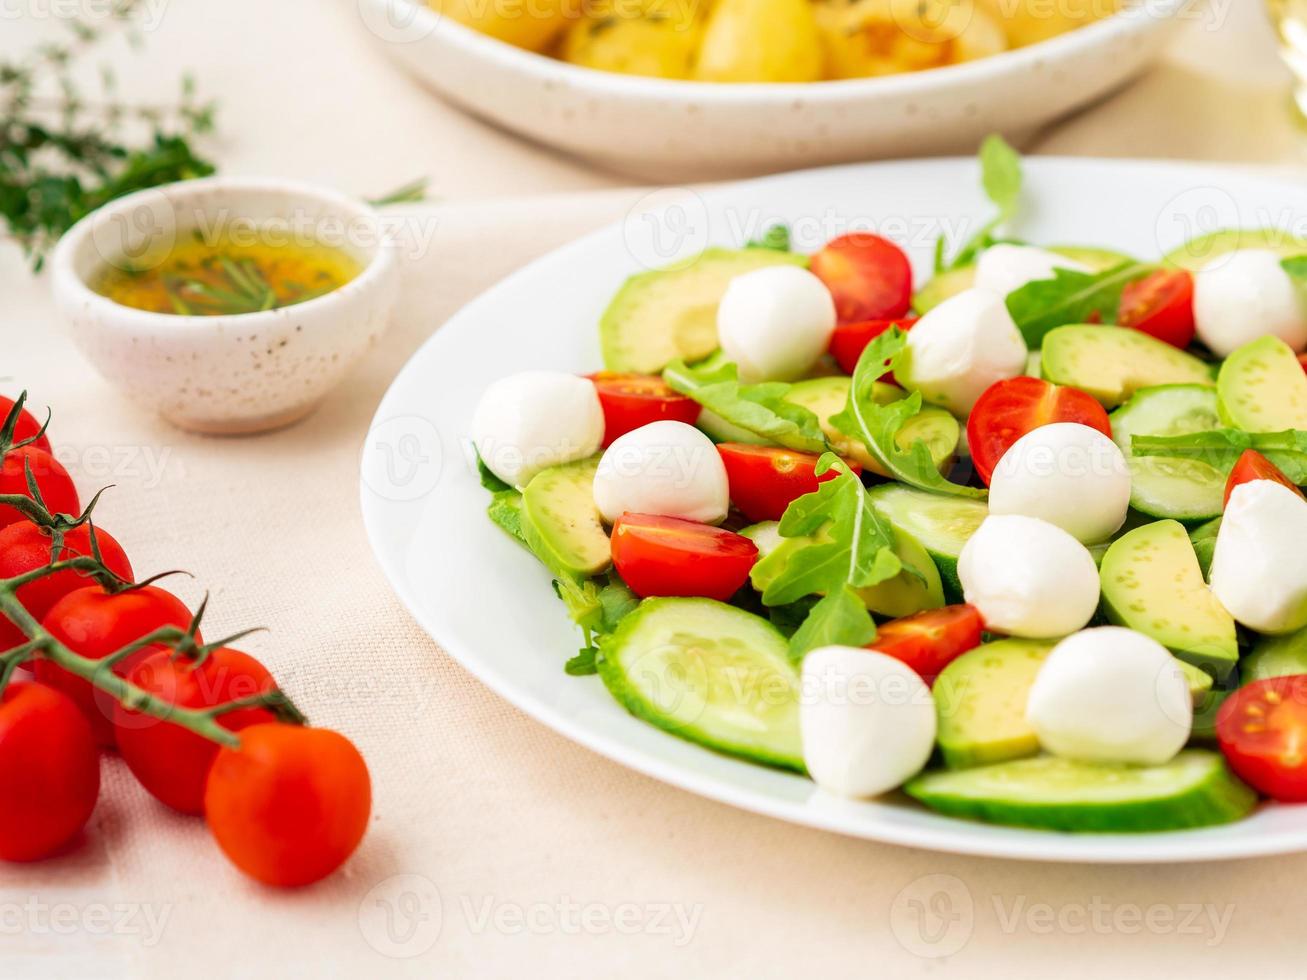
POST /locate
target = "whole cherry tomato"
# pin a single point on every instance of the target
(869, 277)
(27, 426)
(56, 486)
(667, 556)
(631, 401)
(929, 641)
(1262, 730)
(850, 339)
(1252, 465)
(1161, 305)
(764, 480)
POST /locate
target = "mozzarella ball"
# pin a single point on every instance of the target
(1259, 567)
(1006, 268)
(1111, 695)
(960, 348)
(1243, 295)
(867, 721)
(1028, 577)
(775, 323)
(1067, 474)
(668, 469)
(531, 421)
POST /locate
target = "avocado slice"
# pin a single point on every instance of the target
(560, 522)
(1262, 387)
(1152, 583)
(1275, 656)
(950, 282)
(1197, 252)
(1112, 363)
(981, 701)
(659, 316)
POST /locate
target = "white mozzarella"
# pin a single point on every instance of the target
(867, 721)
(1067, 474)
(530, 421)
(1028, 577)
(1259, 567)
(666, 468)
(1006, 268)
(1111, 695)
(960, 348)
(1243, 295)
(775, 323)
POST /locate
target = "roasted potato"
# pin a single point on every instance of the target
(760, 41)
(1028, 21)
(885, 37)
(658, 38)
(530, 24)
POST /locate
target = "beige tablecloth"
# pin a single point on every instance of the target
(497, 848)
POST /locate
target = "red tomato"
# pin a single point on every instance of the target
(929, 641)
(1302, 359)
(765, 480)
(171, 762)
(290, 805)
(56, 486)
(669, 556)
(869, 277)
(25, 547)
(1252, 465)
(49, 771)
(1262, 729)
(1009, 409)
(27, 426)
(1161, 305)
(851, 339)
(634, 400)
(95, 624)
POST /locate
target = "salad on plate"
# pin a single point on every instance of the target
(1024, 542)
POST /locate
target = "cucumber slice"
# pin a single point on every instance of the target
(981, 703)
(1275, 656)
(709, 673)
(1166, 410)
(1112, 363)
(1262, 387)
(766, 536)
(1195, 789)
(1197, 252)
(941, 524)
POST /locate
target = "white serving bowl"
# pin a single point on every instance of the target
(666, 131)
(237, 374)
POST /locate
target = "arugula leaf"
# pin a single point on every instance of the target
(1071, 297)
(776, 238)
(583, 664)
(760, 408)
(878, 425)
(839, 618)
(1296, 267)
(1222, 448)
(488, 480)
(505, 511)
(1000, 176)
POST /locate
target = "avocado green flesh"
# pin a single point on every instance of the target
(981, 703)
(1152, 584)
(1112, 363)
(1262, 387)
(709, 673)
(950, 282)
(659, 316)
(561, 523)
(1195, 789)
(1275, 656)
(1161, 486)
(941, 524)
(1197, 252)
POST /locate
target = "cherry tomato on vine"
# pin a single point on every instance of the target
(25, 547)
(168, 760)
(869, 277)
(1262, 731)
(1251, 466)
(27, 426)
(1009, 409)
(49, 771)
(634, 400)
(56, 486)
(667, 556)
(290, 805)
(765, 480)
(94, 624)
(929, 641)
(850, 339)
(1161, 305)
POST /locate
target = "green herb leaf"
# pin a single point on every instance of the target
(760, 409)
(488, 479)
(1071, 297)
(878, 425)
(1000, 176)
(1296, 267)
(837, 619)
(584, 663)
(1222, 448)
(776, 238)
(505, 511)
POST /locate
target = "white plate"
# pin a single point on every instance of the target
(490, 604)
(666, 131)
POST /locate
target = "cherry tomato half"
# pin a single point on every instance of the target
(667, 556)
(1302, 359)
(25, 547)
(1262, 730)
(1252, 465)
(765, 480)
(290, 805)
(631, 401)
(869, 277)
(27, 426)
(1161, 305)
(850, 339)
(56, 486)
(1009, 409)
(929, 641)
(169, 761)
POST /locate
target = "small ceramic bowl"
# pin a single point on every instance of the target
(231, 374)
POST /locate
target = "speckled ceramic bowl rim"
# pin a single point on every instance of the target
(1147, 14)
(72, 286)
